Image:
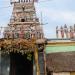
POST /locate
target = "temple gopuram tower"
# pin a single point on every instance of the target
(24, 21)
(23, 44)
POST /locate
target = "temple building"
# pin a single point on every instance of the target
(60, 57)
(22, 48)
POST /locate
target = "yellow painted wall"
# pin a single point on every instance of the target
(62, 73)
(72, 73)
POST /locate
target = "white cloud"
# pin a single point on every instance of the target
(57, 15)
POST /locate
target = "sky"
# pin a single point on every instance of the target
(54, 13)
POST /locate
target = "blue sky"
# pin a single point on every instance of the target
(54, 12)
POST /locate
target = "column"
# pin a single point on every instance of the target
(36, 61)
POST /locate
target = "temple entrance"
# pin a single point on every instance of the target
(20, 64)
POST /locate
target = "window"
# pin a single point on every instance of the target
(22, 20)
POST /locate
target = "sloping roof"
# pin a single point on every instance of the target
(61, 62)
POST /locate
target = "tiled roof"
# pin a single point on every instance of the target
(64, 61)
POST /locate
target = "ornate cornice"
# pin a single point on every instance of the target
(65, 43)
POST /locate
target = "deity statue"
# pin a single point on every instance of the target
(74, 27)
(57, 35)
(71, 32)
(66, 30)
(74, 30)
(62, 32)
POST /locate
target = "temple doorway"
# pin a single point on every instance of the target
(20, 64)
